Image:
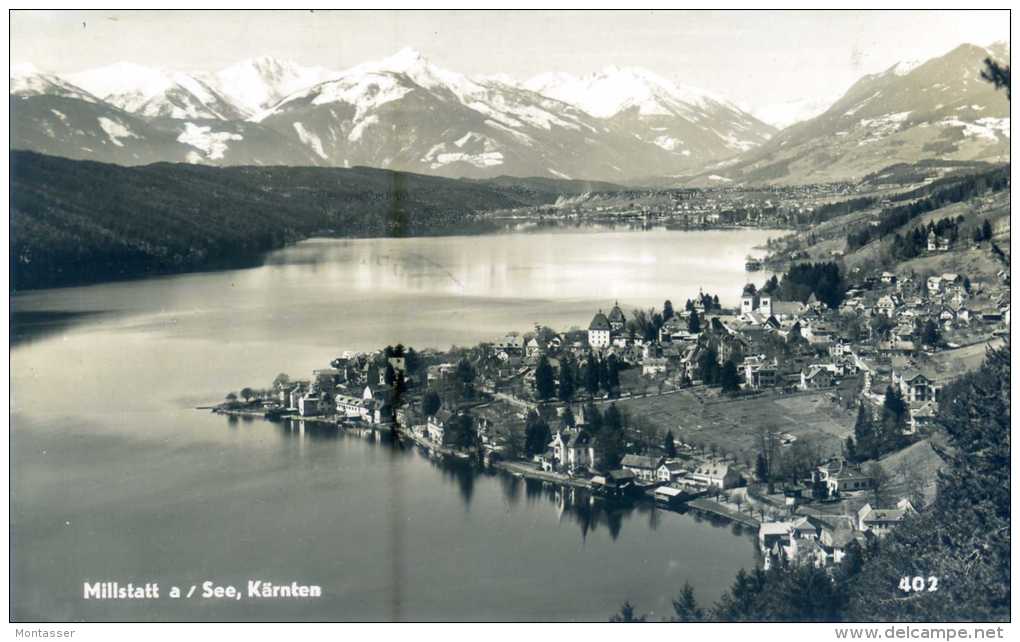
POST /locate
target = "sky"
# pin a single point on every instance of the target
(756, 59)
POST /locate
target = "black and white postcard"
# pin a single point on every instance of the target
(510, 316)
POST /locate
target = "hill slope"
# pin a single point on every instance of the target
(78, 221)
(940, 109)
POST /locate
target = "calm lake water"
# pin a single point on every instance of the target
(117, 478)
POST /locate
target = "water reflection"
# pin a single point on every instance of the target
(573, 505)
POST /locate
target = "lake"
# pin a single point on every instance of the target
(116, 477)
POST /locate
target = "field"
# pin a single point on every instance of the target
(701, 417)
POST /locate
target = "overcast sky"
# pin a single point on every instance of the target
(754, 58)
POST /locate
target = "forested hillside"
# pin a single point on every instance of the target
(79, 221)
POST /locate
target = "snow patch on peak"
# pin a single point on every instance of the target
(259, 83)
(115, 130)
(310, 139)
(214, 144)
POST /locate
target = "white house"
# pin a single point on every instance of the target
(715, 474)
(599, 331)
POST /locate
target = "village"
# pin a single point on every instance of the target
(716, 207)
(805, 413)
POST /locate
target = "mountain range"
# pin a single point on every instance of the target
(406, 113)
(937, 109)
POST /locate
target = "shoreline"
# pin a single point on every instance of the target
(520, 469)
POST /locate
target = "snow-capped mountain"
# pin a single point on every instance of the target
(406, 113)
(940, 108)
(259, 83)
(26, 80)
(154, 93)
(691, 124)
(54, 116)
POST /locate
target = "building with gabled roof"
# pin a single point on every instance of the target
(599, 331)
(616, 318)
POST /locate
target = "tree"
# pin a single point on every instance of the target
(930, 335)
(895, 413)
(536, 434)
(864, 434)
(412, 362)
(669, 444)
(282, 380)
(612, 374)
(694, 323)
(880, 325)
(568, 420)
(612, 436)
(604, 375)
(685, 606)
(986, 230)
(545, 383)
(996, 74)
(431, 403)
(593, 418)
(390, 375)
(591, 375)
(464, 379)
(514, 441)
(247, 394)
(568, 379)
(667, 310)
(708, 366)
(627, 614)
(768, 448)
(879, 485)
(729, 379)
(761, 467)
(231, 396)
(850, 449)
(463, 433)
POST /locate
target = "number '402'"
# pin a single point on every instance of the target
(919, 584)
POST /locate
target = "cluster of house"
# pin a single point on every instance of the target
(354, 388)
(822, 539)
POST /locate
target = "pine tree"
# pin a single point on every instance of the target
(567, 383)
(612, 436)
(996, 74)
(761, 467)
(591, 375)
(431, 403)
(667, 310)
(568, 420)
(729, 379)
(613, 373)
(537, 434)
(545, 383)
(685, 606)
(669, 444)
(864, 434)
